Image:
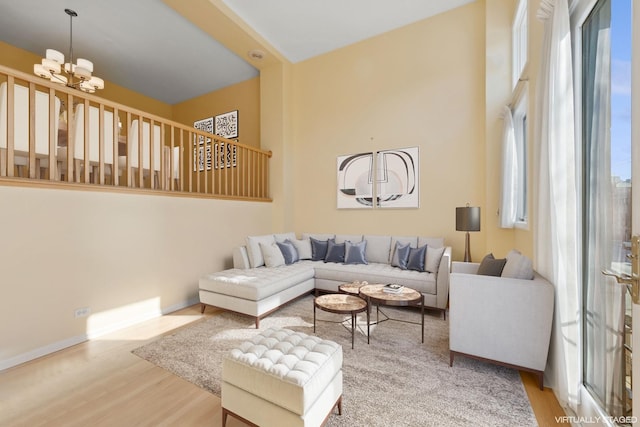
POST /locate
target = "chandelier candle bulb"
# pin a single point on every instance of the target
(54, 55)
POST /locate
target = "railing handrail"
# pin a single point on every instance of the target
(240, 170)
(112, 104)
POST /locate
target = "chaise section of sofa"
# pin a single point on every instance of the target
(256, 290)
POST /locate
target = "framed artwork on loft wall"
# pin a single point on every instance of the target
(202, 145)
(226, 125)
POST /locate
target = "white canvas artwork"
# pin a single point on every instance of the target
(392, 175)
(355, 181)
(397, 178)
(199, 144)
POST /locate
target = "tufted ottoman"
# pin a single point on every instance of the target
(282, 378)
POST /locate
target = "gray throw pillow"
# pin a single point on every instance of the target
(416, 258)
(490, 266)
(289, 251)
(335, 251)
(401, 255)
(354, 253)
(318, 249)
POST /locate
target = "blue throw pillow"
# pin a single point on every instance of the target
(416, 258)
(318, 249)
(335, 251)
(289, 252)
(354, 253)
(401, 255)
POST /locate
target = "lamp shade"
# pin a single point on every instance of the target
(468, 218)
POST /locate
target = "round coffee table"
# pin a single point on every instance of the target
(352, 288)
(340, 304)
(375, 294)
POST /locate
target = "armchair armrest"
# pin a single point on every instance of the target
(442, 279)
(465, 267)
(501, 319)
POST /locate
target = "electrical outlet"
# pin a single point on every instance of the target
(82, 312)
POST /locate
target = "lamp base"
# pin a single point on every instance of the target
(467, 248)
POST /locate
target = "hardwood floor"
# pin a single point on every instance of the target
(101, 383)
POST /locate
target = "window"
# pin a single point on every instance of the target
(519, 41)
(520, 131)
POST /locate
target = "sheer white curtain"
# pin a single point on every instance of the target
(508, 203)
(556, 227)
(604, 298)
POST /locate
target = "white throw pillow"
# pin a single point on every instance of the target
(432, 260)
(271, 254)
(303, 247)
(378, 248)
(253, 249)
(284, 236)
(518, 266)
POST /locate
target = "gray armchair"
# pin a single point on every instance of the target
(500, 320)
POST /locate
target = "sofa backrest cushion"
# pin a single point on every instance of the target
(378, 249)
(434, 242)
(253, 248)
(284, 236)
(353, 238)
(318, 236)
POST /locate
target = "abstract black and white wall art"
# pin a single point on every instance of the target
(226, 125)
(355, 181)
(397, 178)
(202, 145)
(226, 156)
(392, 175)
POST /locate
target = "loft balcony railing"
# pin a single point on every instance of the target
(60, 136)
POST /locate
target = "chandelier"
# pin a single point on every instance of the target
(77, 76)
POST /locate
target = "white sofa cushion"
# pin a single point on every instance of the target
(257, 283)
(253, 248)
(378, 248)
(518, 266)
(303, 247)
(271, 254)
(435, 242)
(290, 369)
(353, 238)
(318, 236)
(432, 259)
(284, 236)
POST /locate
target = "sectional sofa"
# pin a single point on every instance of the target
(262, 280)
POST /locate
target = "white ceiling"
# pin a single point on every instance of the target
(146, 46)
(302, 29)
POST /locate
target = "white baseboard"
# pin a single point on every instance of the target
(60, 345)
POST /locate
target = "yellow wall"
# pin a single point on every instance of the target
(499, 18)
(125, 256)
(244, 97)
(421, 85)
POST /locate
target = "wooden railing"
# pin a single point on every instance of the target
(43, 140)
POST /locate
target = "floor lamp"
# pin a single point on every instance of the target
(467, 219)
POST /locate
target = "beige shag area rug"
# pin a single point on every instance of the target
(394, 381)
